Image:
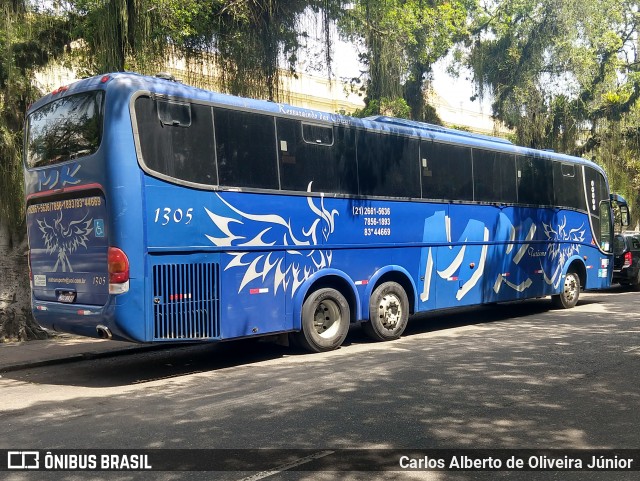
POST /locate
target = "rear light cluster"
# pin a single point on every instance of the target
(59, 90)
(118, 271)
(628, 259)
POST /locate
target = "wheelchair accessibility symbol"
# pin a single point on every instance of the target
(98, 227)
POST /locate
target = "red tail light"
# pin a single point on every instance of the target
(118, 271)
(59, 90)
(628, 259)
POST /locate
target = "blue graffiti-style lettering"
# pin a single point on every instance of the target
(58, 178)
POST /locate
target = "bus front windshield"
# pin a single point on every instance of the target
(65, 129)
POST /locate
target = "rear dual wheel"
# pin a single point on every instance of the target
(325, 321)
(388, 312)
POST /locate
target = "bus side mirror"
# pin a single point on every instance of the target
(624, 215)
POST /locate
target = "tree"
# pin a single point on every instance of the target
(246, 40)
(123, 35)
(250, 38)
(401, 40)
(564, 75)
(28, 39)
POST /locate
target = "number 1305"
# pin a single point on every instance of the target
(167, 215)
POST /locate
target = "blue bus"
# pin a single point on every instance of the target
(158, 212)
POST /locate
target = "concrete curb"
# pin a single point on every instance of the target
(64, 358)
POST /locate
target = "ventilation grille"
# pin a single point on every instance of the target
(186, 301)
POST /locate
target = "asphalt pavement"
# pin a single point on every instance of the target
(62, 348)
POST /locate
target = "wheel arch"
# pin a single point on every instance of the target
(390, 274)
(332, 278)
(567, 295)
(576, 264)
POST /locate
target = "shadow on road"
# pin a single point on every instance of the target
(176, 361)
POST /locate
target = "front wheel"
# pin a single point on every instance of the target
(388, 312)
(568, 298)
(325, 321)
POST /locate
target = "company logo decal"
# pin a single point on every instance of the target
(64, 238)
(303, 257)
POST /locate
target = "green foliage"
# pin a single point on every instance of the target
(125, 34)
(28, 40)
(249, 38)
(244, 39)
(564, 75)
(401, 40)
(397, 107)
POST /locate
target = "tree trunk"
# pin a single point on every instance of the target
(16, 320)
(413, 94)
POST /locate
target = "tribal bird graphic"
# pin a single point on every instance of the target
(65, 239)
(563, 244)
(303, 257)
(573, 236)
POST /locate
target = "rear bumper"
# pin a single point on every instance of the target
(628, 275)
(78, 319)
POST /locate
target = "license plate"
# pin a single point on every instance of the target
(67, 297)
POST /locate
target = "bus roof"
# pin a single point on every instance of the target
(412, 124)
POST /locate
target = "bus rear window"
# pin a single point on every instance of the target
(65, 129)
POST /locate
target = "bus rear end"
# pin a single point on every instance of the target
(75, 271)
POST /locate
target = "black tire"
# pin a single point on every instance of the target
(388, 312)
(570, 293)
(325, 321)
(635, 284)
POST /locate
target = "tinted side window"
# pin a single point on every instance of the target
(317, 134)
(246, 147)
(494, 176)
(535, 181)
(344, 151)
(183, 150)
(327, 163)
(568, 185)
(172, 112)
(446, 171)
(388, 165)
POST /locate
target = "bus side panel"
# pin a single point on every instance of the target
(461, 264)
(247, 311)
(395, 234)
(598, 269)
(126, 213)
(228, 229)
(520, 256)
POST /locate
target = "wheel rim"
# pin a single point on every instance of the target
(390, 311)
(571, 288)
(327, 318)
